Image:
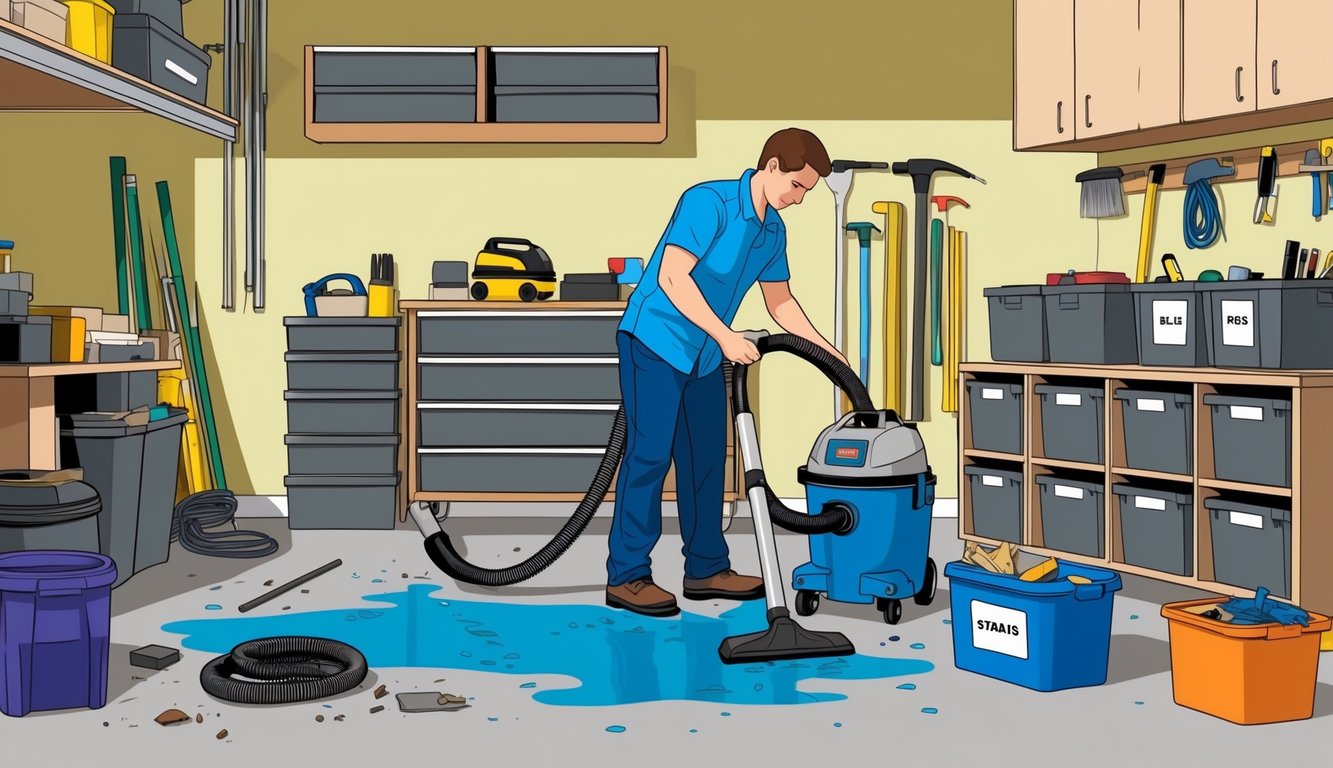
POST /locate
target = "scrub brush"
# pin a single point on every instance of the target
(1101, 195)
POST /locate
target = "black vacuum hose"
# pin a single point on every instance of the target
(284, 670)
(835, 519)
(211, 509)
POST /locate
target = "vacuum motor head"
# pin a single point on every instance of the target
(870, 444)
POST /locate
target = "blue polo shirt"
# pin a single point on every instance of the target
(716, 222)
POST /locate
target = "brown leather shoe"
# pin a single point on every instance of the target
(642, 596)
(727, 585)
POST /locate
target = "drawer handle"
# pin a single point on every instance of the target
(1276, 90)
(1059, 117)
(180, 72)
(1087, 110)
(1239, 96)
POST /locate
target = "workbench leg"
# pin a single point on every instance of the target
(28, 432)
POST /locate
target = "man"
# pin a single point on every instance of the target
(723, 237)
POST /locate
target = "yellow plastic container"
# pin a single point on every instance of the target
(88, 28)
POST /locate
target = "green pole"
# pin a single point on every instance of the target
(118, 228)
(143, 315)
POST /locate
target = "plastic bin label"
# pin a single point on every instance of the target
(993, 481)
(1246, 519)
(1067, 491)
(180, 72)
(1068, 398)
(1150, 404)
(999, 629)
(1247, 412)
(1238, 323)
(992, 393)
(1170, 323)
(1148, 502)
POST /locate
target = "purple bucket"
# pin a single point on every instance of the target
(55, 627)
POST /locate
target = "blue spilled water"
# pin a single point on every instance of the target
(614, 656)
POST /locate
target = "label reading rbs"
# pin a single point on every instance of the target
(1238, 323)
(1170, 323)
(998, 629)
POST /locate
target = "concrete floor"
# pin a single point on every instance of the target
(1129, 720)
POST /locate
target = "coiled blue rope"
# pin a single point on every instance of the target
(1203, 217)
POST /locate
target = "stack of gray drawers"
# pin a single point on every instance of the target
(575, 85)
(342, 422)
(371, 84)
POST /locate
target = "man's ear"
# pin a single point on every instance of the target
(772, 165)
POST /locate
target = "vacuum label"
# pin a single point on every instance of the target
(998, 629)
(846, 453)
(1147, 404)
(1238, 323)
(1170, 323)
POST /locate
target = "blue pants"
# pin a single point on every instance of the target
(668, 415)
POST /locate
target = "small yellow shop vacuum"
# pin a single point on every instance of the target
(512, 269)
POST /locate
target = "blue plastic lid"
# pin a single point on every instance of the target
(55, 570)
(1103, 581)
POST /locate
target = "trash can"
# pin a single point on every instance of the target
(55, 627)
(1246, 674)
(35, 514)
(1159, 430)
(1251, 545)
(1072, 515)
(1091, 323)
(995, 410)
(1156, 528)
(1172, 321)
(1271, 324)
(1047, 636)
(1251, 439)
(1017, 324)
(134, 469)
(1071, 422)
(997, 502)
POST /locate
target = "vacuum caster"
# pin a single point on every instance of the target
(807, 602)
(527, 292)
(891, 608)
(479, 291)
(927, 594)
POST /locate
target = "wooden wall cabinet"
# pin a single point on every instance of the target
(1293, 66)
(1219, 77)
(1043, 72)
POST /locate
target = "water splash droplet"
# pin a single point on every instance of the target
(214, 589)
(948, 621)
(894, 639)
(493, 719)
(907, 687)
(212, 607)
(528, 685)
(615, 729)
(694, 730)
(1133, 617)
(377, 581)
(917, 646)
(930, 710)
(837, 725)
(726, 714)
(1139, 703)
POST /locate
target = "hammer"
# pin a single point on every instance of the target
(937, 248)
(922, 170)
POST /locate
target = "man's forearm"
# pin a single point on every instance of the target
(792, 318)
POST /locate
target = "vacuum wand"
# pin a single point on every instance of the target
(922, 170)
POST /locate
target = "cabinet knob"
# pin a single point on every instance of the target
(1239, 96)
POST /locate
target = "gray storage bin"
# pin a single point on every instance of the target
(14, 303)
(341, 334)
(533, 333)
(347, 371)
(520, 381)
(567, 104)
(341, 502)
(390, 67)
(342, 454)
(1251, 439)
(513, 472)
(1073, 515)
(117, 353)
(106, 392)
(1251, 545)
(336, 412)
(996, 412)
(543, 426)
(386, 104)
(997, 502)
(1071, 422)
(150, 50)
(1272, 324)
(1156, 528)
(1091, 323)
(1017, 324)
(166, 11)
(34, 517)
(1159, 430)
(1172, 321)
(25, 340)
(546, 66)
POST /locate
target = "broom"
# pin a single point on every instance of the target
(1101, 195)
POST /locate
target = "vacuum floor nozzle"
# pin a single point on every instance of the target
(784, 639)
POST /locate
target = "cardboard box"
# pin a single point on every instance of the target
(45, 17)
(166, 345)
(92, 316)
(113, 323)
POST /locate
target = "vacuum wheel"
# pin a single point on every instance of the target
(807, 602)
(527, 292)
(891, 608)
(480, 291)
(927, 594)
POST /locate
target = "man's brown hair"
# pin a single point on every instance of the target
(796, 148)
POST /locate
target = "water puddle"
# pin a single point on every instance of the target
(616, 657)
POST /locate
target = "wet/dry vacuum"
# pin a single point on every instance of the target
(869, 492)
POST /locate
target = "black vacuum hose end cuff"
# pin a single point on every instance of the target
(284, 670)
(836, 519)
(755, 478)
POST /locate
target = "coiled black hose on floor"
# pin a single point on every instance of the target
(284, 670)
(212, 509)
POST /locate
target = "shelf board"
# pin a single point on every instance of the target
(1148, 474)
(975, 453)
(483, 133)
(495, 306)
(40, 75)
(1227, 485)
(43, 370)
(1061, 464)
(1254, 376)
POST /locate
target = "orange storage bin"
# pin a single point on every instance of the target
(1247, 674)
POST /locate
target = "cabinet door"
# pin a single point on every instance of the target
(1043, 72)
(1159, 63)
(1219, 57)
(1106, 73)
(1293, 62)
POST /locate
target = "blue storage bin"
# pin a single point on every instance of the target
(1047, 636)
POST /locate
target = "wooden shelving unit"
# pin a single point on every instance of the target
(1311, 394)
(40, 75)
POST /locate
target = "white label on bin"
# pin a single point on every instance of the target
(992, 393)
(1067, 398)
(1170, 323)
(180, 72)
(998, 629)
(1150, 404)
(1246, 519)
(1148, 502)
(1067, 491)
(1247, 412)
(1238, 323)
(992, 480)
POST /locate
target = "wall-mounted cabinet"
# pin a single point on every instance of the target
(482, 94)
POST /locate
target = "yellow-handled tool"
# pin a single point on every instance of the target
(895, 220)
(953, 352)
(1156, 175)
(379, 302)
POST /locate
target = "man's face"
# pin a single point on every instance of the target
(787, 188)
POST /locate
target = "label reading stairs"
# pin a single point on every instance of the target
(998, 629)
(1170, 323)
(1238, 323)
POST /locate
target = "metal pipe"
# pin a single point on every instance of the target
(260, 79)
(228, 156)
(246, 106)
